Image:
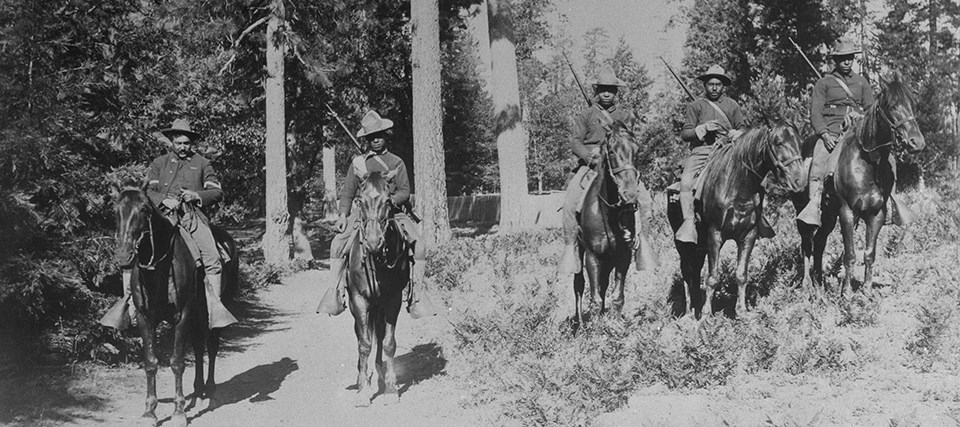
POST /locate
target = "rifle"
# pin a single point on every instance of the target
(576, 78)
(352, 138)
(815, 70)
(683, 85)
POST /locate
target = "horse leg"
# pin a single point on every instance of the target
(198, 340)
(744, 249)
(620, 277)
(150, 366)
(178, 365)
(392, 311)
(363, 327)
(713, 244)
(213, 348)
(592, 266)
(603, 282)
(848, 222)
(874, 224)
(578, 285)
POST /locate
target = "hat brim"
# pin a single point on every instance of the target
(618, 83)
(170, 133)
(723, 79)
(384, 125)
(845, 52)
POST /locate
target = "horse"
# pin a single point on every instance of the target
(730, 207)
(167, 285)
(607, 218)
(861, 184)
(378, 269)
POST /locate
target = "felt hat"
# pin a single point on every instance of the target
(607, 77)
(717, 72)
(180, 127)
(844, 47)
(373, 123)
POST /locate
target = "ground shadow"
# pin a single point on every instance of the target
(256, 384)
(423, 362)
(28, 396)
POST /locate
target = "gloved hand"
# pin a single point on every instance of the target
(189, 196)
(341, 224)
(733, 134)
(170, 204)
(829, 141)
(595, 158)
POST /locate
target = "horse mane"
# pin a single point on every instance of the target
(747, 149)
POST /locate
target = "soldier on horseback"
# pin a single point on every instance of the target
(708, 123)
(180, 183)
(375, 131)
(838, 98)
(590, 128)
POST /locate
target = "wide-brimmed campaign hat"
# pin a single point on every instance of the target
(844, 47)
(715, 72)
(373, 123)
(180, 127)
(606, 77)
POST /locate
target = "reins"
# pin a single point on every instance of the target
(894, 128)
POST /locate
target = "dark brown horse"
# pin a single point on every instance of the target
(167, 285)
(730, 208)
(607, 218)
(378, 268)
(862, 182)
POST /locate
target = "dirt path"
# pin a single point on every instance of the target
(286, 365)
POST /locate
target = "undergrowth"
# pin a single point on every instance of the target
(516, 347)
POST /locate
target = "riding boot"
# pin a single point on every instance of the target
(811, 213)
(334, 301)
(570, 257)
(119, 316)
(645, 258)
(418, 305)
(764, 229)
(217, 315)
(688, 230)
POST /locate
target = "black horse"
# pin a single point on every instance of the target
(166, 284)
(862, 183)
(378, 269)
(607, 218)
(730, 208)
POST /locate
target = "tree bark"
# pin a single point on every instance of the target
(329, 182)
(276, 249)
(429, 178)
(511, 136)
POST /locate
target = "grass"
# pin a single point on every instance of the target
(515, 347)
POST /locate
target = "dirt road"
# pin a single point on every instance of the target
(286, 365)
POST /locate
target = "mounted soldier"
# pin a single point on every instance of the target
(181, 184)
(590, 128)
(376, 132)
(708, 123)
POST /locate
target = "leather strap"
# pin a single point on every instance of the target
(729, 123)
(845, 88)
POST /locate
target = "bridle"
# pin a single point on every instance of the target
(614, 171)
(152, 263)
(894, 126)
(772, 155)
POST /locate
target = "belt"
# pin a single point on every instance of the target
(840, 109)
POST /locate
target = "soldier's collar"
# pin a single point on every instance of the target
(609, 110)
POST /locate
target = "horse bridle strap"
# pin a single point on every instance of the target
(894, 126)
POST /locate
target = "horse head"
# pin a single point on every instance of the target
(895, 108)
(133, 223)
(783, 143)
(374, 211)
(619, 157)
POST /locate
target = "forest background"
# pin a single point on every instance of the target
(87, 84)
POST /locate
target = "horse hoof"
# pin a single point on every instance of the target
(361, 400)
(389, 399)
(179, 420)
(147, 420)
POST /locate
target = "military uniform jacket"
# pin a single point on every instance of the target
(399, 182)
(587, 131)
(829, 103)
(168, 174)
(700, 111)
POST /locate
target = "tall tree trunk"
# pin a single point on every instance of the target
(329, 182)
(295, 202)
(276, 249)
(431, 197)
(479, 28)
(511, 136)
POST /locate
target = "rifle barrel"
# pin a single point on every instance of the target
(576, 78)
(683, 85)
(815, 70)
(345, 129)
